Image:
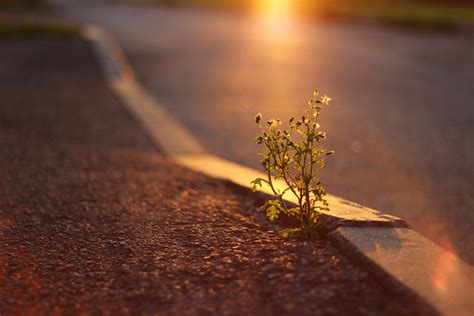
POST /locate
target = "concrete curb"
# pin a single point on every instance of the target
(165, 131)
(411, 266)
(391, 284)
(405, 262)
(343, 212)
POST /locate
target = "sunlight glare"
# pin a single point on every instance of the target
(275, 8)
(276, 17)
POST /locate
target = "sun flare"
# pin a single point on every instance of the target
(274, 9)
(275, 17)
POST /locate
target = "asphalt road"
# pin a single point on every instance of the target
(94, 221)
(401, 121)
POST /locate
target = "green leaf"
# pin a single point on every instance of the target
(272, 213)
(288, 232)
(272, 209)
(256, 183)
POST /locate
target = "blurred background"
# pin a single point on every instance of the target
(400, 73)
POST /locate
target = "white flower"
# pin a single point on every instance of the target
(325, 99)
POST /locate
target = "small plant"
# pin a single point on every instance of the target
(293, 155)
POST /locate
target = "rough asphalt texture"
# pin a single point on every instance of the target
(93, 220)
(401, 120)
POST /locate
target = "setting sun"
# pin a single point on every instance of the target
(276, 18)
(274, 8)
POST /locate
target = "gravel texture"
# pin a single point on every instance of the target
(94, 221)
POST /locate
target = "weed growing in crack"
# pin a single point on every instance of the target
(293, 157)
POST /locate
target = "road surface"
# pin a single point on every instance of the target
(401, 121)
